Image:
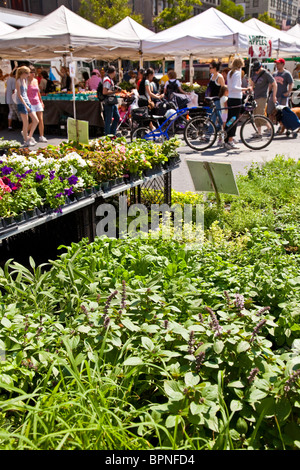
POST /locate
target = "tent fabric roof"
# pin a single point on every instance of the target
(60, 30)
(130, 28)
(294, 31)
(209, 33)
(6, 28)
(286, 43)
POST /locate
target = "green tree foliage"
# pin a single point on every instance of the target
(265, 18)
(231, 9)
(106, 13)
(177, 12)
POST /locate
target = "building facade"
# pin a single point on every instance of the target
(286, 13)
(39, 7)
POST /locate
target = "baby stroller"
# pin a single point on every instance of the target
(124, 126)
(289, 119)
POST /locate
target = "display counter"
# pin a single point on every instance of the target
(57, 110)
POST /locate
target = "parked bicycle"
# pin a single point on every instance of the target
(257, 131)
(172, 122)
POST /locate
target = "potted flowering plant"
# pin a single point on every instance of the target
(5, 145)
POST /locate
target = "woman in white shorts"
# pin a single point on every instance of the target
(36, 101)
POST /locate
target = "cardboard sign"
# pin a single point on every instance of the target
(78, 131)
(260, 47)
(211, 176)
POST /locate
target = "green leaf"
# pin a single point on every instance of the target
(191, 380)
(147, 343)
(129, 325)
(133, 361)
(173, 391)
(236, 384)
(242, 347)
(218, 347)
(236, 405)
(83, 329)
(5, 322)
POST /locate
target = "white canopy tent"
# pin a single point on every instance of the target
(6, 28)
(282, 42)
(130, 29)
(294, 31)
(63, 29)
(209, 34)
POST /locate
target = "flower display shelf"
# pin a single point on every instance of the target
(30, 219)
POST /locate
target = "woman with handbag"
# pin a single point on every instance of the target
(111, 113)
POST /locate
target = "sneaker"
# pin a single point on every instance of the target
(10, 128)
(30, 142)
(234, 146)
(42, 139)
(256, 137)
(228, 146)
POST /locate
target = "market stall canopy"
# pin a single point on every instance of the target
(6, 28)
(209, 34)
(294, 31)
(129, 29)
(282, 42)
(62, 29)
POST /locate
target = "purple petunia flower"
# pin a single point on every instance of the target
(61, 178)
(6, 170)
(51, 174)
(73, 179)
(58, 195)
(39, 177)
(58, 210)
(68, 191)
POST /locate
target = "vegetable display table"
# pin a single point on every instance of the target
(85, 110)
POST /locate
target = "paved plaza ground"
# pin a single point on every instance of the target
(181, 179)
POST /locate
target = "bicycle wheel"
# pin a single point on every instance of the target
(200, 133)
(257, 132)
(147, 134)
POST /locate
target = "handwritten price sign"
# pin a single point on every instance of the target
(260, 47)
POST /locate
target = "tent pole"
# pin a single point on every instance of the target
(120, 69)
(191, 69)
(141, 59)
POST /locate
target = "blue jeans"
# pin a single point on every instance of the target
(111, 112)
(217, 113)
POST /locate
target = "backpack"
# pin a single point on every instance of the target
(172, 87)
(290, 119)
(100, 95)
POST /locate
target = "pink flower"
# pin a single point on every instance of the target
(4, 186)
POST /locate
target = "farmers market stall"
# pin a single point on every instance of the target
(62, 29)
(209, 34)
(59, 106)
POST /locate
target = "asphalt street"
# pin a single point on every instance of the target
(240, 159)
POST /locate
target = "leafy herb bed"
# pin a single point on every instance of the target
(181, 344)
(142, 343)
